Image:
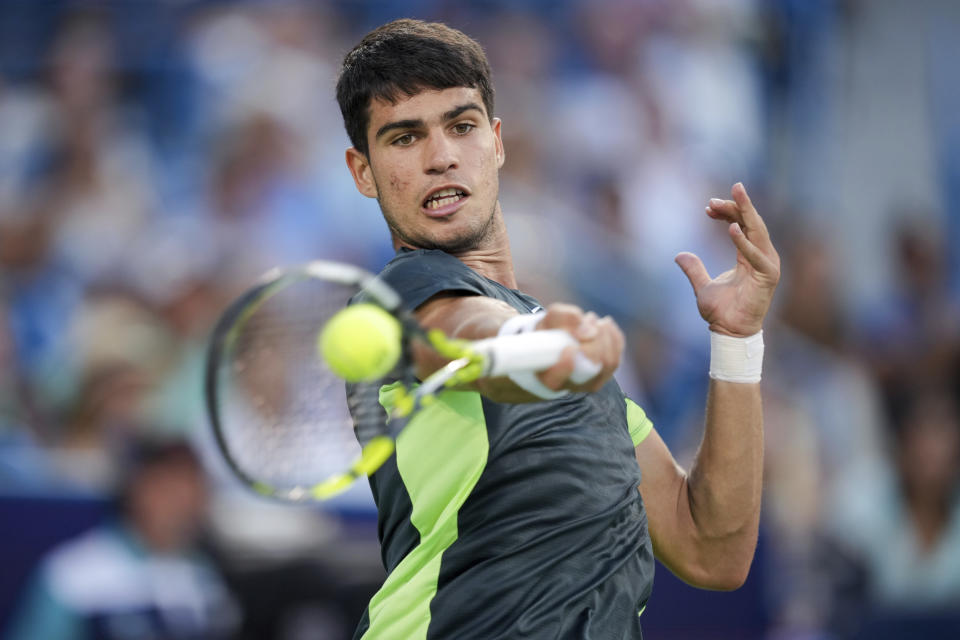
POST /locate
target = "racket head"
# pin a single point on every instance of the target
(287, 425)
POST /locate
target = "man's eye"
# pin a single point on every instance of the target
(463, 127)
(404, 140)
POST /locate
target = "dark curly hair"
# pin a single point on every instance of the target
(405, 57)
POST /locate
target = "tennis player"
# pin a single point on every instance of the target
(512, 510)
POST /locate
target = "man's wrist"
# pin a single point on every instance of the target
(736, 359)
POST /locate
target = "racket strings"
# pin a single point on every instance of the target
(284, 413)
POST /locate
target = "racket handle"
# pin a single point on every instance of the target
(534, 351)
(584, 368)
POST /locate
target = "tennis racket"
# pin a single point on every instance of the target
(288, 426)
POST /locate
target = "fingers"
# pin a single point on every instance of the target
(601, 340)
(565, 316)
(588, 328)
(742, 198)
(739, 210)
(556, 376)
(757, 259)
(742, 211)
(606, 349)
(694, 270)
(751, 220)
(734, 209)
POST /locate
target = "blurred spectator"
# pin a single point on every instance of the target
(810, 304)
(141, 576)
(823, 415)
(261, 212)
(119, 350)
(85, 454)
(83, 195)
(95, 180)
(810, 359)
(897, 525)
(276, 159)
(915, 337)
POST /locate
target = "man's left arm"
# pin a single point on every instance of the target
(704, 523)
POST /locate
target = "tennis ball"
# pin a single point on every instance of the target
(360, 343)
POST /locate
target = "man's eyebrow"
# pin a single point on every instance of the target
(456, 111)
(399, 124)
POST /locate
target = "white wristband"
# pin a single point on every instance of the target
(736, 359)
(527, 380)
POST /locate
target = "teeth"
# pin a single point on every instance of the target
(442, 202)
(443, 197)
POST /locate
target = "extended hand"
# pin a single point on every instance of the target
(736, 301)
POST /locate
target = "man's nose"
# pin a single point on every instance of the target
(441, 155)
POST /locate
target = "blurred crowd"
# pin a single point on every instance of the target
(155, 157)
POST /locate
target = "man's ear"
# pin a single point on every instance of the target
(359, 166)
(496, 123)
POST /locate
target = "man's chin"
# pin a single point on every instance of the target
(452, 235)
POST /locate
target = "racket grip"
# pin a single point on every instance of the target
(534, 351)
(584, 368)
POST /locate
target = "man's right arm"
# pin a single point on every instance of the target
(471, 317)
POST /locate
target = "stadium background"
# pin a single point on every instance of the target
(156, 156)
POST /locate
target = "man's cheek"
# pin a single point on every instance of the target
(397, 183)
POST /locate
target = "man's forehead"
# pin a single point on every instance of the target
(426, 105)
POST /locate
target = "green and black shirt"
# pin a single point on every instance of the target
(508, 520)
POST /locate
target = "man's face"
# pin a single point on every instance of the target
(433, 167)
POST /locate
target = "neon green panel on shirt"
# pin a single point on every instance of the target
(440, 456)
(638, 422)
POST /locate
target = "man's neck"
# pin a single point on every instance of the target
(492, 259)
(496, 264)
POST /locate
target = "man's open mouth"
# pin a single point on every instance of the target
(443, 198)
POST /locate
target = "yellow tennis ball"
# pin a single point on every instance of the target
(360, 343)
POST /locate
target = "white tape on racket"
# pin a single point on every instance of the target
(520, 350)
